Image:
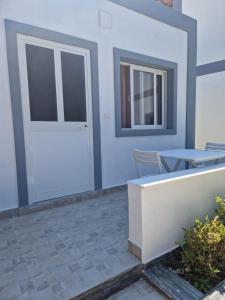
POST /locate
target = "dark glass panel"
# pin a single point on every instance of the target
(41, 83)
(74, 95)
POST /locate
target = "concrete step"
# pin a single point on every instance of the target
(170, 283)
(113, 285)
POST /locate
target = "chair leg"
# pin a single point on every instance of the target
(166, 165)
(138, 170)
(177, 164)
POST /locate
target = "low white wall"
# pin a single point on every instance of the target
(160, 206)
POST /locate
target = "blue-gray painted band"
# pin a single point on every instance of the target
(12, 29)
(176, 19)
(15, 91)
(214, 67)
(191, 87)
(121, 55)
(158, 12)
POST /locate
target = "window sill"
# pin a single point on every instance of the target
(127, 132)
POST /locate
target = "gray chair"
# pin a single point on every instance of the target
(151, 159)
(214, 146)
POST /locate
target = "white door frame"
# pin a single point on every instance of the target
(22, 40)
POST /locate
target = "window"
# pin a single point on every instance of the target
(143, 98)
(145, 89)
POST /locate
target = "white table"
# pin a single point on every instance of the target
(192, 156)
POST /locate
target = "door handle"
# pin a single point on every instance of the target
(80, 126)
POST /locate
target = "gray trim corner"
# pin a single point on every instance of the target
(178, 20)
(121, 55)
(12, 29)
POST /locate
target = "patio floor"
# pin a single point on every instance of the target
(61, 252)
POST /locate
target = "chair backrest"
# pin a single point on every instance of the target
(215, 147)
(147, 158)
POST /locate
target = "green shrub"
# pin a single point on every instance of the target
(203, 251)
(221, 209)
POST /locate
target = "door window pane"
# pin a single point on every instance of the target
(125, 96)
(41, 83)
(73, 80)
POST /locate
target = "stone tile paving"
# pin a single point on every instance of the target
(61, 252)
(139, 290)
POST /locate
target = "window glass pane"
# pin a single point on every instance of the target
(143, 98)
(148, 95)
(125, 96)
(137, 98)
(159, 98)
(74, 95)
(41, 83)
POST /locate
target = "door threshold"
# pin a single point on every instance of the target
(57, 202)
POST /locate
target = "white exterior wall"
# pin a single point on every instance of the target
(130, 31)
(210, 101)
(210, 16)
(210, 108)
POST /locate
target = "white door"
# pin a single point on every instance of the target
(57, 112)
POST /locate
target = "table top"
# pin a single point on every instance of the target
(193, 154)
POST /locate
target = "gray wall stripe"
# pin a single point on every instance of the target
(14, 82)
(173, 18)
(12, 28)
(214, 67)
(158, 12)
(191, 87)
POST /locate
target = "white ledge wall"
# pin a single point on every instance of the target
(160, 206)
